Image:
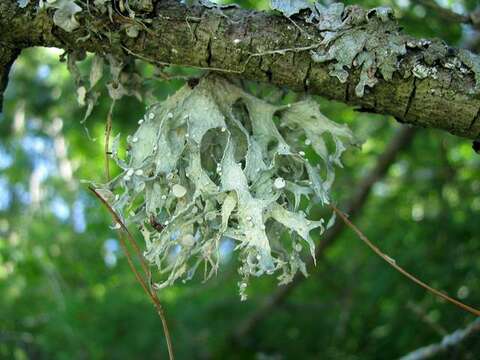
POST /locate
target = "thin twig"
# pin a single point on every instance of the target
(448, 341)
(108, 130)
(444, 13)
(146, 288)
(393, 264)
(244, 66)
(150, 60)
(119, 221)
(417, 310)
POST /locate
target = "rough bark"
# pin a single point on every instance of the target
(265, 47)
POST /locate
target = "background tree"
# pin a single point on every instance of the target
(66, 289)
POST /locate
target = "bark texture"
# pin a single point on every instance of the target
(270, 48)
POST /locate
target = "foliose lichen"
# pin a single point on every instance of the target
(213, 164)
(23, 3)
(353, 37)
(290, 7)
(372, 41)
(64, 16)
(472, 61)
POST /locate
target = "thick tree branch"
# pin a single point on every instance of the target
(353, 206)
(268, 47)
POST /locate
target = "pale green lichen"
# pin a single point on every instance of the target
(64, 16)
(371, 41)
(472, 61)
(375, 45)
(23, 3)
(352, 37)
(214, 163)
(290, 7)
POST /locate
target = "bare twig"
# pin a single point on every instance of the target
(472, 19)
(444, 13)
(119, 221)
(146, 287)
(399, 142)
(108, 130)
(282, 51)
(449, 341)
(401, 270)
(417, 310)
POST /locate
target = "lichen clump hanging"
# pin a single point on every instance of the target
(213, 163)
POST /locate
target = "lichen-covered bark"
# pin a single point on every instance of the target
(432, 86)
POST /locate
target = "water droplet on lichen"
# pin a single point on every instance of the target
(116, 226)
(178, 191)
(279, 183)
(187, 240)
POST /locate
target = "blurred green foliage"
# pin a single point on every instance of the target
(66, 291)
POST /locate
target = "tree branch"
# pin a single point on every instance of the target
(449, 341)
(268, 47)
(353, 206)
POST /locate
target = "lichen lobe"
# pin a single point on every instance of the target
(354, 37)
(371, 41)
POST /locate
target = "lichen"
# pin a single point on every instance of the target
(472, 61)
(421, 71)
(23, 3)
(290, 7)
(64, 16)
(371, 41)
(214, 163)
(353, 37)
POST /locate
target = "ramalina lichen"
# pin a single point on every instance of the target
(213, 164)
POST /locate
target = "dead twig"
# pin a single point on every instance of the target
(401, 270)
(145, 286)
(108, 130)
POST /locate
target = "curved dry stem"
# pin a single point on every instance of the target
(108, 130)
(146, 288)
(393, 264)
